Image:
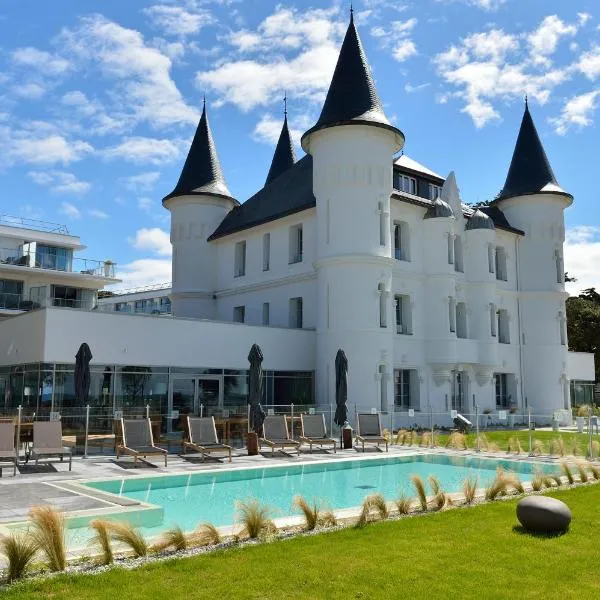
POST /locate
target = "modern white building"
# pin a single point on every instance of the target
(148, 300)
(437, 305)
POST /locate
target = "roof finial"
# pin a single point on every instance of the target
(351, 13)
(285, 104)
(203, 101)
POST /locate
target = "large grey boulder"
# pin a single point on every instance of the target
(541, 514)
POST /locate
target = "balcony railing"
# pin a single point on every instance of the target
(11, 301)
(25, 223)
(295, 258)
(85, 266)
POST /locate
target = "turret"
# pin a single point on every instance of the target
(352, 145)
(284, 156)
(533, 201)
(199, 202)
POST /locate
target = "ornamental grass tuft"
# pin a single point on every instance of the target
(420, 489)
(567, 472)
(103, 539)
(48, 532)
(126, 533)
(255, 519)
(469, 489)
(440, 498)
(457, 440)
(373, 505)
(403, 504)
(19, 549)
(557, 447)
(206, 534)
(537, 447)
(400, 439)
(314, 515)
(583, 474)
(174, 538)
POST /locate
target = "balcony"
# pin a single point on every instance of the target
(57, 262)
(9, 301)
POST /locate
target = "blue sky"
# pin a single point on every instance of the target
(99, 101)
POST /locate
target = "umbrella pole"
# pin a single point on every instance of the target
(87, 429)
(19, 411)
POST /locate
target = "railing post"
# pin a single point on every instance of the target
(87, 430)
(201, 410)
(431, 425)
(591, 445)
(331, 419)
(478, 449)
(292, 412)
(529, 431)
(19, 411)
(147, 411)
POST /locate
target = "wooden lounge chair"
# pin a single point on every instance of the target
(8, 449)
(276, 434)
(314, 432)
(202, 437)
(369, 430)
(137, 440)
(47, 441)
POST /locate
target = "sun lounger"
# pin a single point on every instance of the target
(8, 449)
(369, 430)
(276, 434)
(47, 441)
(314, 432)
(202, 437)
(137, 440)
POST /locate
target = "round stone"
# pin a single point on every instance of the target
(542, 514)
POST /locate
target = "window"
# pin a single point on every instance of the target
(452, 314)
(560, 266)
(122, 307)
(239, 314)
(51, 257)
(503, 327)
(266, 252)
(381, 371)
(382, 305)
(435, 191)
(502, 398)
(382, 224)
(296, 313)
(450, 249)
(461, 320)
(404, 183)
(401, 241)
(458, 254)
(240, 259)
(563, 329)
(491, 259)
(501, 264)
(403, 314)
(406, 389)
(11, 293)
(493, 319)
(265, 313)
(295, 244)
(71, 297)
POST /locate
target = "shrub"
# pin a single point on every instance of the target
(255, 519)
(583, 410)
(48, 532)
(403, 505)
(127, 534)
(469, 489)
(102, 538)
(20, 549)
(568, 473)
(206, 534)
(420, 488)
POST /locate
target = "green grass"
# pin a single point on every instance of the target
(465, 553)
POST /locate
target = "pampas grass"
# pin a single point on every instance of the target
(567, 472)
(48, 533)
(403, 505)
(172, 538)
(206, 534)
(469, 489)
(373, 504)
(20, 549)
(102, 538)
(420, 488)
(127, 534)
(255, 519)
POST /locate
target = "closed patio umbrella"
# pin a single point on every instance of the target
(341, 388)
(82, 373)
(257, 413)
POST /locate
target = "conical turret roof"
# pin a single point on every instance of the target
(530, 171)
(284, 156)
(352, 97)
(201, 173)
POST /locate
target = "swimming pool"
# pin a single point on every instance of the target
(190, 499)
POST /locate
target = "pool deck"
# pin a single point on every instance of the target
(53, 484)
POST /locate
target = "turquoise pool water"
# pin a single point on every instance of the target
(188, 500)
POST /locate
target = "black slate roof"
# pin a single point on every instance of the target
(201, 173)
(289, 193)
(284, 156)
(530, 171)
(352, 97)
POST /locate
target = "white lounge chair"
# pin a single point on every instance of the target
(202, 437)
(369, 430)
(314, 432)
(137, 440)
(47, 441)
(8, 448)
(276, 434)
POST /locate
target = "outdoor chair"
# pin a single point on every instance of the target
(47, 441)
(314, 432)
(369, 430)
(202, 436)
(137, 440)
(8, 448)
(276, 434)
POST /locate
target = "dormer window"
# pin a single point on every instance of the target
(404, 183)
(435, 191)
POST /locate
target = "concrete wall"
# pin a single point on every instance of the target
(22, 338)
(580, 366)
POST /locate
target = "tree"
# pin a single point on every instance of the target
(583, 324)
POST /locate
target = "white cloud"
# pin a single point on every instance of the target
(397, 38)
(493, 44)
(144, 150)
(98, 214)
(155, 240)
(78, 100)
(144, 84)
(487, 5)
(404, 50)
(60, 182)
(44, 62)
(32, 91)
(589, 63)
(577, 111)
(269, 127)
(544, 40)
(142, 272)
(177, 21)
(143, 182)
(145, 204)
(410, 89)
(69, 210)
(582, 257)
(42, 149)
(583, 17)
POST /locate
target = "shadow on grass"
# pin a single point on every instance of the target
(520, 530)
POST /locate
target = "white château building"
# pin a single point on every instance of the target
(438, 306)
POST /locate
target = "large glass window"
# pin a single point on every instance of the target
(72, 297)
(503, 327)
(406, 389)
(404, 183)
(403, 314)
(501, 381)
(401, 241)
(11, 293)
(51, 257)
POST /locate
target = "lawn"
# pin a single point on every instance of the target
(463, 553)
